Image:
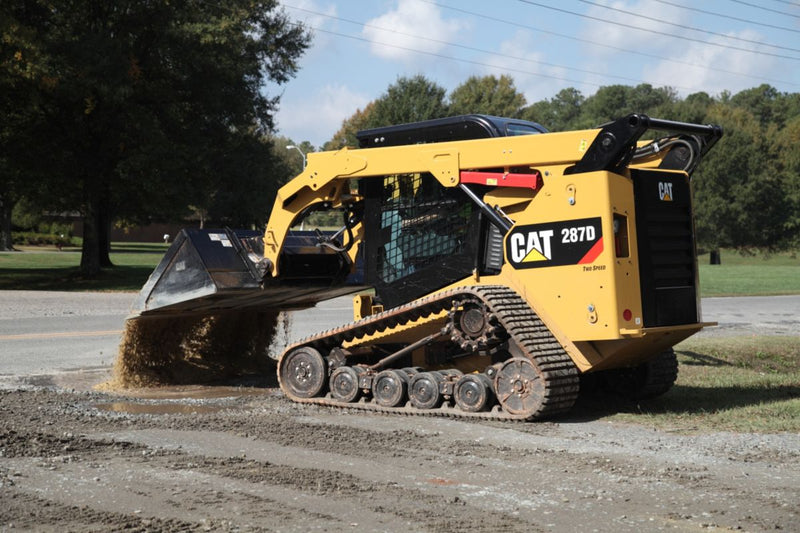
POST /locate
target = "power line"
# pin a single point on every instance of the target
(727, 16)
(442, 56)
(630, 26)
(470, 48)
(771, 10)
(795, 4)
(684, 27)
(604, 45)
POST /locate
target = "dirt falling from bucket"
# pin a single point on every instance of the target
(194, 349)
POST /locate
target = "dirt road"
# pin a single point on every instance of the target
(245, 459)
(242, 458)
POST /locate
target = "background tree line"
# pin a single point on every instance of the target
(127, 112)
(139, 111)
(747, 190)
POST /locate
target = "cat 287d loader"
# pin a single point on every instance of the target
(494, 264)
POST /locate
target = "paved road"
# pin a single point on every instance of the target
(51, 332)
(45, 332)
(761, 315)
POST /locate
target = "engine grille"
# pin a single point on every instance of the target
(666, 246)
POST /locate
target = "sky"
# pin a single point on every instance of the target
(360, 47)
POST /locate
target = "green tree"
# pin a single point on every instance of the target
(741, 201)
(558, 113)
(145, 108)
(787, 141)
(747, 191)
(765, 103)
(614, 101)
(694, 108)
(408, 100)
(346, 135)
(292, 159)
(488, 95)
(21, 71)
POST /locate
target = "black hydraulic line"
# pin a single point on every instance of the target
(615, 144)
(682, 127)
(502, 224)
(408, 349)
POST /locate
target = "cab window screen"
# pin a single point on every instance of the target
(520, 129)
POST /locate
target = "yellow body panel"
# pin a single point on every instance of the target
(327, 175)
(585, 305)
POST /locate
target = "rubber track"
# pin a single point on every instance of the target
(662, 372)
(515, 315)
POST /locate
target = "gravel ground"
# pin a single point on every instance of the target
(240, 457)
(243, 458)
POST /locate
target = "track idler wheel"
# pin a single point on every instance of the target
(390, 387)
(473, 393)
(424, 391)
(519, 386)
(344, 383)
(303, 373)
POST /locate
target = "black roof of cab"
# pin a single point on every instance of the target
(457, 128)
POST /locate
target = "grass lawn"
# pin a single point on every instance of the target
(750, 275)
(45, 268)
(743, 384)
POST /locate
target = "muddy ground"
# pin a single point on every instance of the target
(243, 458)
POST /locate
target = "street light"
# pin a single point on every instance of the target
(293, 147)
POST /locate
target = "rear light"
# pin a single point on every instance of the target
(627, 315)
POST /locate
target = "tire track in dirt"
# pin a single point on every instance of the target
(258, 462)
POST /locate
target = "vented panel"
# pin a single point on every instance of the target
(665, 236)
(493, 253)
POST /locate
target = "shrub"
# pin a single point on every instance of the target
(32, 238)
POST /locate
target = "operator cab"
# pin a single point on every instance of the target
(421, 236)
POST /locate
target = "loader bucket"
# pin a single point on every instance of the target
(203, 270)
(206, 314)
(211, 271)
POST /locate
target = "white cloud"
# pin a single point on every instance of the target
(313, 14)
(518, 58)
(621, 32)
(687, 79)
(306, 11)
(392, 34)
(319, 117)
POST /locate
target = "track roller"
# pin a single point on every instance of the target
(390, 387)
(303, 372)
(344, 383)
(473, 393)
(424, 390)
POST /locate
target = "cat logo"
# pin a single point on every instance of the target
(558, 243)
(533, 246)
(665, 191)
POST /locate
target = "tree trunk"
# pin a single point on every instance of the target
(96, 234)
(90, 252)
(6, 206)
(714, 257)
(104, 233)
